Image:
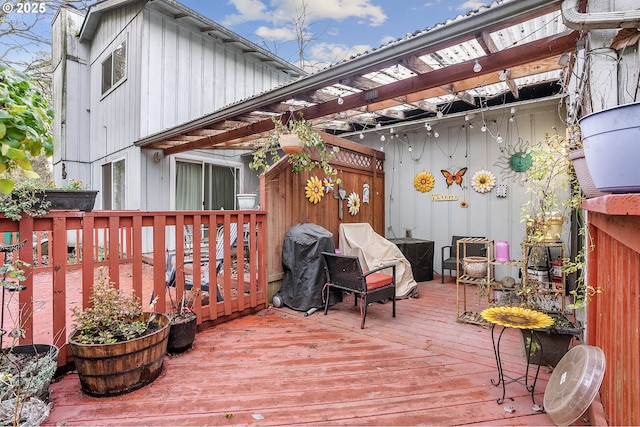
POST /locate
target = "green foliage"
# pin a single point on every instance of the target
(268, 152)
(549, 185)
(25, 125)
(111, 317)
(27, 198)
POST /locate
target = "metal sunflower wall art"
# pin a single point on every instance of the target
(516, 317)
(314, 190)
(353, 203)
(514, 160)
(483, 181)
(424, 181)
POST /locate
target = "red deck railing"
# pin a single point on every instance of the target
(67, 248)
(614, 315)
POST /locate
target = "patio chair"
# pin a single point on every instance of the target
(449, 263)
(345, 273)
(170, 271)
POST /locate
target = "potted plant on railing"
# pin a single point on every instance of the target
(71, 196)
(117, 348)
(310, 145)
(34, 199)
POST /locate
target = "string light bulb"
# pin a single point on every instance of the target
(504, 74)
(439, 114)
(378, 125)
(436, 134)
(483, 128)
(427, 126)
(477, 67)
(361, 135)
(340, 100)
(410, 149)
(382, 138)
(499, 139)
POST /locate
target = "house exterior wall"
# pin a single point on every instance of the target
(175, 73)
(410, 211)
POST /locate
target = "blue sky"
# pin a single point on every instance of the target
(339, 28)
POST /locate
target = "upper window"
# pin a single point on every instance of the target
(114, 68)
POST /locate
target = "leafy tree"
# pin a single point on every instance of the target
(25, 127)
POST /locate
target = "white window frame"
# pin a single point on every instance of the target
(201, 160)
(114, 81)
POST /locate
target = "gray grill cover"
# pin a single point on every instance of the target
(304, 274)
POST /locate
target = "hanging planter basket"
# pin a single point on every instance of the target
(291, 143)
(612, 148)
(584, 176)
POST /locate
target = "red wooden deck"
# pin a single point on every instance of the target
(280, 367)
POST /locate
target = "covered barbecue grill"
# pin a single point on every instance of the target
(304, 274)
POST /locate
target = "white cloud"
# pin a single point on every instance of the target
(282, 11)
(336, 52)
(249, 10)
(471, 5)
(387, 39)
(276, 34)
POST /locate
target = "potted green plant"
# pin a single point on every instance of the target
(183, 327)
(25, 127)
(27, 198)
(310, 146)
(73, 195)
(26, 370)
(117, 348)
(32, 198)
(549, 186)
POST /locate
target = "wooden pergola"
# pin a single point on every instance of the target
(496, 52)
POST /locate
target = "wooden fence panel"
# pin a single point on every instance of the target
(283, 196)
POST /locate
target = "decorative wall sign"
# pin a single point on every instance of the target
(451, 178)
(365, 193)
(353, 203)
(444, 197)
(501, 190)
(483, 181)
(424, 181)
(314, 190)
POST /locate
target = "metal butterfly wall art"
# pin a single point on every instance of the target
(451, 178)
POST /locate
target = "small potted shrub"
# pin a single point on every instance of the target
(182, 332)
(117, 348)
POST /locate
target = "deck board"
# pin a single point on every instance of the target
(280, 367)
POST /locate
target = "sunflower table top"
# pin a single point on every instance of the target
(516, 317)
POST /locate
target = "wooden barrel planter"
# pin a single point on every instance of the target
(112, 369)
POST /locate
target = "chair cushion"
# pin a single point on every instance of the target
(377, 280)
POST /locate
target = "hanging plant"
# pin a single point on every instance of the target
(314, 190)
(424, 181)
(268, 152)
(483, 181)
(353, 203)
